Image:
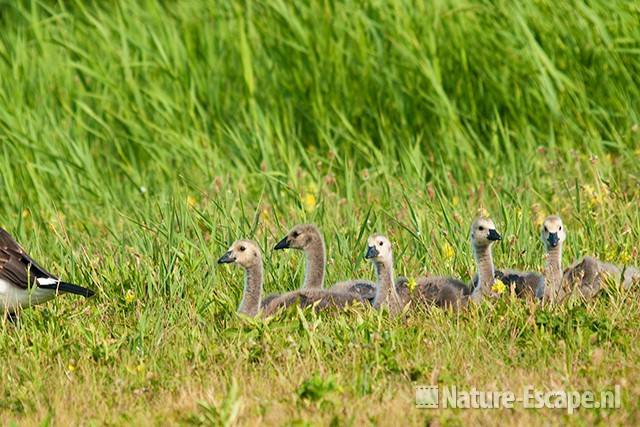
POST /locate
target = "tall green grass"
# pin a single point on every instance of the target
(139, 138)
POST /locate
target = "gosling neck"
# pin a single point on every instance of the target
(315, 263)
(386, 294)
(251, 297)
(553, 272)
(486, 273)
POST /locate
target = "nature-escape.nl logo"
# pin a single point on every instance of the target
(433, 397)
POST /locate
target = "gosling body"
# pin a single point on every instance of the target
(308, 238)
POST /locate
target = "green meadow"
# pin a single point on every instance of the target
(139, 139)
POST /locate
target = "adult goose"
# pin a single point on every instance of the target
(24, 283)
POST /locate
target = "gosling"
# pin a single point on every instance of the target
(483, 235)
(525, 284)
(247, 254)
(444, 292)
(380, 254)
(308, 238)
(584, 277)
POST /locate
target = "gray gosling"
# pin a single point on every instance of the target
(380, 254)
(483, 236)
(308, 238)
(247, 254)
(584, 277)
(525, 284)
(553, 236)
(444, 292)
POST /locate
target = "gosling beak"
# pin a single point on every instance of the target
(372, 252)
(282, 244)
(553, 239)
(227, 258)
(494, 235)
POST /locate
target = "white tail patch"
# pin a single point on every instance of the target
(46, 281)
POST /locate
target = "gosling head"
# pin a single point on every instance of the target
(245, 253)
(378, 248)
(484, 233)
(553, 232)
(299, 237)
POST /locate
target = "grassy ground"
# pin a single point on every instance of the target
(138, 139)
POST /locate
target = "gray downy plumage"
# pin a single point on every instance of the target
(319, 299)
(584, 277)
(308, 238)
(525, 284)
(445, 292)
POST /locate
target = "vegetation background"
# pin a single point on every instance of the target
(138, 139)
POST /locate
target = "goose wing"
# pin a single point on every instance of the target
(442, 291)
(16, 266)
(363, 288)
(525, 284)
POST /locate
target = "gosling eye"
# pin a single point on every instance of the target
(481, 228)
(545, 229)
(242, 248)
(560, 228)
(295, 234)
(380, 243)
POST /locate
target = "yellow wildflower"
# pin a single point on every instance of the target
(596, 200)
(71, 367)
(140, 368)
(411, 284)
(309, 202)
(25, 213)
(448, 252)
(609, 252)
(625, 258)
(129, 297)
(498, 287)
(191, 201)
(455, 200)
